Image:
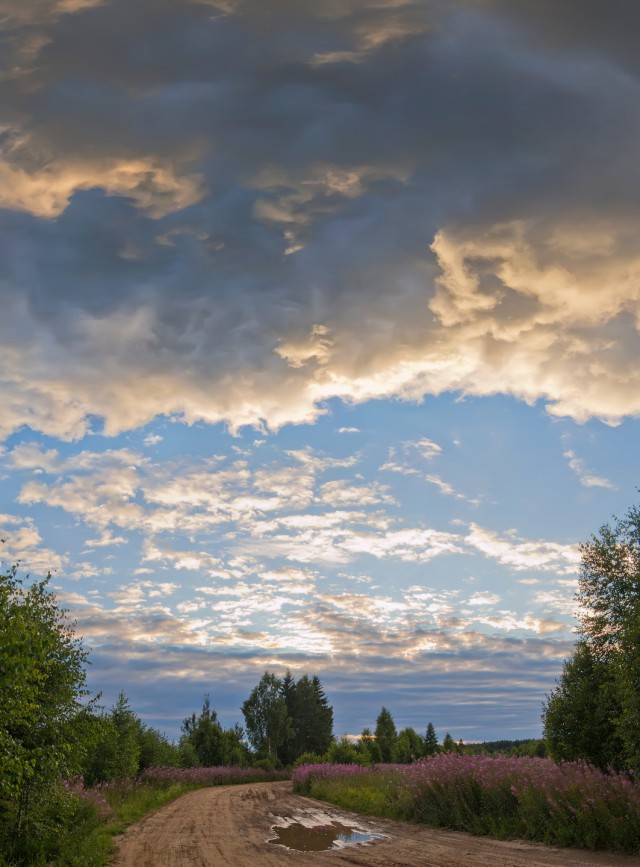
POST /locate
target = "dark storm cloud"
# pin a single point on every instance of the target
(225, 210)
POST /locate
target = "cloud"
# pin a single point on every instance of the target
(586, 477)
(483, 597)
(150, 185)
(106, 539)
(152, 439)
(562, 306)
(254, 226)
(522, 554)
(23, 544)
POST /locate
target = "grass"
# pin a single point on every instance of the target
(128, 802)
(78, 826)
(571, 804)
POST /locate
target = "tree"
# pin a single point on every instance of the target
(43, 715)
(155, 748)
(343, 752)
(609, 588)
(579, 714)
(234, 749)
(594, 712)
(311, 718)
(322, 729)
(288, 751)
(386, 735)
(116, 752)
(430, 741)
(268, 723)
(369, 747)
(204, 733)
(448, 744)
(206, 743)
(408, 746)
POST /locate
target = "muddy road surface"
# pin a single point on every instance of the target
(229, 826)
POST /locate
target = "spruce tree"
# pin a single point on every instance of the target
(430, 741)
(322, 733)
(386, 735)
(288, 751)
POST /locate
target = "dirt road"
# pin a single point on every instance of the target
(228, 826)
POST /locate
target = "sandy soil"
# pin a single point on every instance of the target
(228, 826)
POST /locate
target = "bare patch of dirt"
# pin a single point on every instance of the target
(228, 826)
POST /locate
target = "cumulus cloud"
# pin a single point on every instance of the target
(252, 226)
(22, 543)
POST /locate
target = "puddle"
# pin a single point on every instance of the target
(317, 833)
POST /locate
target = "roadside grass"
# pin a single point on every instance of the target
(130, 801)
(78, 827)
(570, 804)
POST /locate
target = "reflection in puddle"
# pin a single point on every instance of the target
(333, 835)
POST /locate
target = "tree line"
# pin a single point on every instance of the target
(594, 711)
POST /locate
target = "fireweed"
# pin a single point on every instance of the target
(568, 804)
(215, 776)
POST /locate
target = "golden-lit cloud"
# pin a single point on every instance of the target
(45, 191)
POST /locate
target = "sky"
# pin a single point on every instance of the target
(319, 341)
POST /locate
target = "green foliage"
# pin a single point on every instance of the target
(155, 749)
(386, 735)
(448, 744)
(430, 741)
(321, 733)
(369, 746)
(579, 714)
(116, 753)
(42, 717)
(533, 747)
(344, 752)
(372, 795)
(610, 583)
(409, 746)
(594, 712)
(204, 743)
(91, 844)
(267, 721)
(204, 733)
(311, 718)
(573, 804)
(308, 759)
